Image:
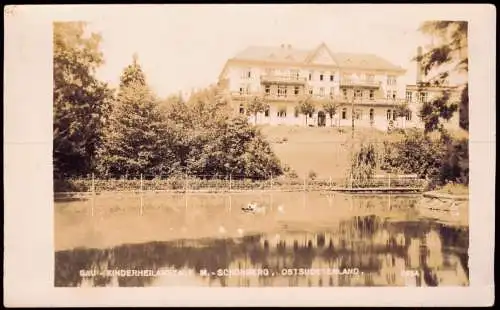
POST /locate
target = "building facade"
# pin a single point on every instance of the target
(420, 93)
(361, 85)
(427, 89)
(365, 87)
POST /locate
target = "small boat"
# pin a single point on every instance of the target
(254, 208)
(251, 207)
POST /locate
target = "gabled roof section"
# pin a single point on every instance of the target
(322, 55)
(284, 53)
(365, 61)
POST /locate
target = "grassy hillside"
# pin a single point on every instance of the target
(324, 150)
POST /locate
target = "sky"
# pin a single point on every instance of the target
(181, 47)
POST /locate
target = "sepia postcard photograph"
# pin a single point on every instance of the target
(250, 152)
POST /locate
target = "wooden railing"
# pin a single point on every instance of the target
(320, 98)
(365, 83)
(283, 79)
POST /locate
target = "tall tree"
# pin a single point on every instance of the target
(133, 74)
(447, 57)
(256, 105)
(330, 106)
(306, 106)
(211, 142)
(81, 102)
(136, 138)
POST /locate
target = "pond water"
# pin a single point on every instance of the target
(296, 239)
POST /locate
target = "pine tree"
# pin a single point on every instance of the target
(133, 74)
(136, 139)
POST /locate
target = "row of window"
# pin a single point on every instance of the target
(391, 80)
(283, 90)
(247, 74)
(422, 96)
(358, 114)
(322, 77)
(359, 94)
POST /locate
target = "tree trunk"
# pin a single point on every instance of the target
(331, 120)
(306, 119)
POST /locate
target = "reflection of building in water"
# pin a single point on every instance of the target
(380, 249)
(383, 252)
(413, 254)
(243, 263)
(390, 271)
(434, 249)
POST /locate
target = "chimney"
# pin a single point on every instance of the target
(419, 64)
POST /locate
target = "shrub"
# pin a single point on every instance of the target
(312, 174)
(292, 174)
(437, 160)
(363, 165)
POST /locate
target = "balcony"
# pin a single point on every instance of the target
(360, 83)
(268, 97)
(373, 101)
(276, 97)
(283, 79)
(243, 95)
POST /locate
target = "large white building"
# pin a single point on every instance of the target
(365, 86)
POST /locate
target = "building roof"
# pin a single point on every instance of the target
(289, 54)
(273, 54)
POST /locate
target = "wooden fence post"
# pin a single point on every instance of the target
(185, 190)
(93, 195)
(141, 194)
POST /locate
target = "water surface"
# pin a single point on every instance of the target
(299, 239)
